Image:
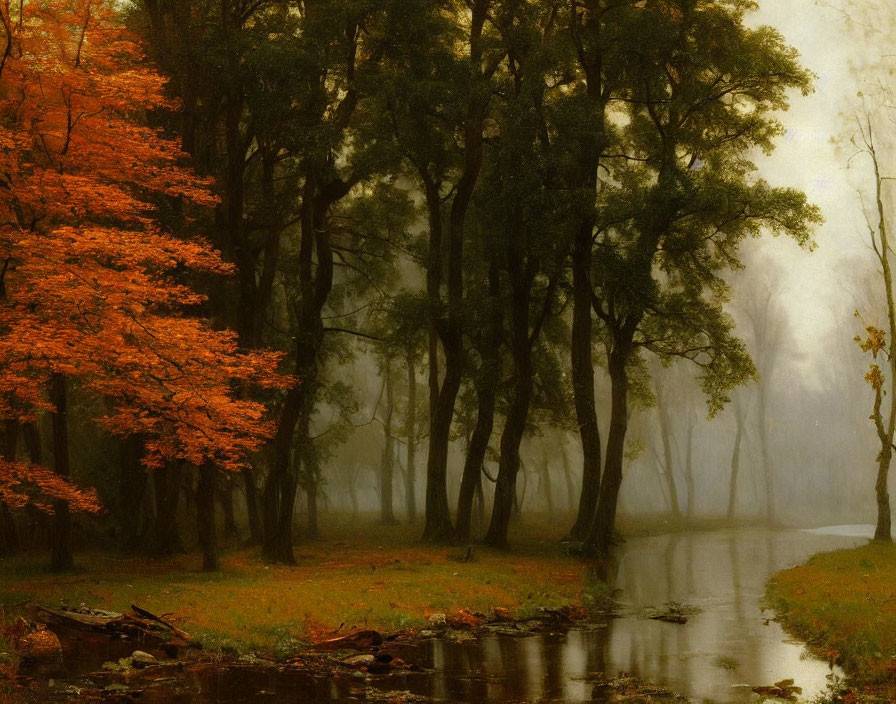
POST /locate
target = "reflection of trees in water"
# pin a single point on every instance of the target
(439, 676)
(747, 656)
(552, 658)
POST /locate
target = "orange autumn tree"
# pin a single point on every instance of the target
(91, 287)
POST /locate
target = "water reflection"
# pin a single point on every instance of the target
(729, 642)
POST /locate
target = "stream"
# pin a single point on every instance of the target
(722, 650)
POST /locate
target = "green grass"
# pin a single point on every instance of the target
(361, 576)
(843, 604)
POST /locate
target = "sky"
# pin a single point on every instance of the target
(813, 156)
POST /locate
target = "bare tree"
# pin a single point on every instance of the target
(875, 341)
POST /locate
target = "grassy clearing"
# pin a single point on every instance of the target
(362, 575)
(843, 604)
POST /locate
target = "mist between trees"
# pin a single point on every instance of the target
(478, 260)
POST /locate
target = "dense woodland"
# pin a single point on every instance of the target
(252, 250)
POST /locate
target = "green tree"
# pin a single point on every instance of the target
(702, 92)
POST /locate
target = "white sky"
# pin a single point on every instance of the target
(808, 158)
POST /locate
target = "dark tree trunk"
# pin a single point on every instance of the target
(309, 472)
(438, 520)
(518, 410)
(315, 283)
(37, 525)
(132, 481)
(486, 393)
(9, 535)
(166, 483)
(61, 558)
(600, 536)
(882, 531)
(225, 496)
(586, 26)
(411, 430)
(205, 516)
(437, 527)
(478, 512)
(280, 488)
(32, 442)
(387, 459)
(583, 382)
(252, 505)
(471, 480)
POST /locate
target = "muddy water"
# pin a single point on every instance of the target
(730, 642)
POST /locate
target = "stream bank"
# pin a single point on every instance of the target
(843, 604)
(717, 644)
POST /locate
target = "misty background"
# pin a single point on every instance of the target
(794, 308)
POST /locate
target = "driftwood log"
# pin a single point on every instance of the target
(361, 640)
(141, 626)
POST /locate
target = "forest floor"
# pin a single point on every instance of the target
(843, 604)
(362, 576)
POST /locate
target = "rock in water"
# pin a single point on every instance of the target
(438, 621)
(359, 660)
(140, 658)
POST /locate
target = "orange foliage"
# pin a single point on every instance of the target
(90, 286)
(876, 342)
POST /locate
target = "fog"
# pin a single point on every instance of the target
(806, 448)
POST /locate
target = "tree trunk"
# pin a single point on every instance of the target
(132, 482)
(583, 382)
(600, 536)
(450, 329)
(280, 488)
(387, 459)
(61, 558)
(279, 495)
(519, 495)
(478, 512)
(586, 28)
(411, 431)
(471, 478)
(166, 483)
(735, 463)
(205, 516)
(437, 527)
(9, 536)
(882, 531)
(38, 523)
(252, 505)
(486, 393)
(518, 411)
(225, 496)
